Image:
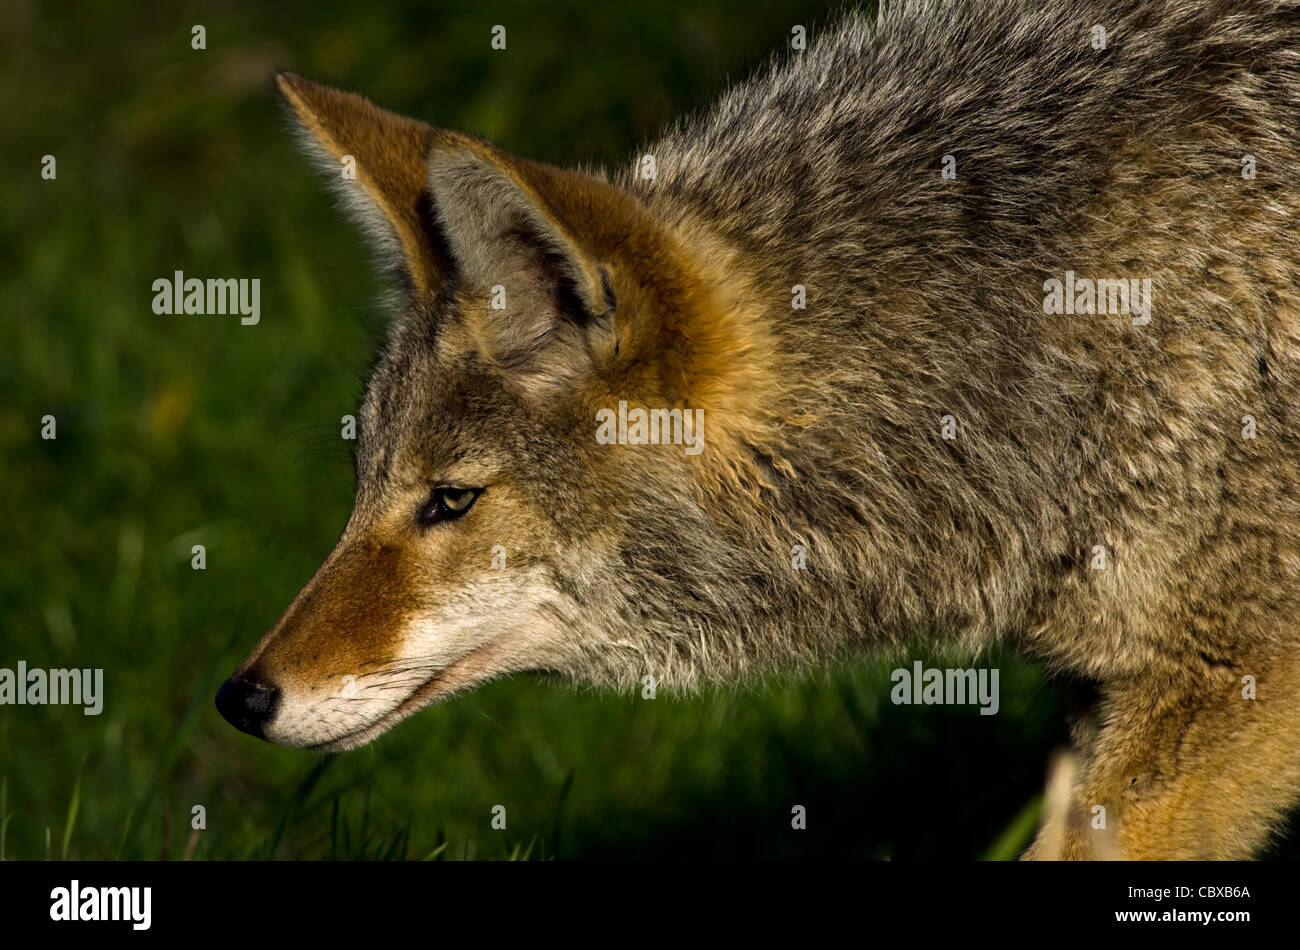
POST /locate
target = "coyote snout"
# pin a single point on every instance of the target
(335, 663)
(386, 626)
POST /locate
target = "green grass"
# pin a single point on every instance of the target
(174, 431)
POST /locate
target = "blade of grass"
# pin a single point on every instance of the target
(334, 830)
(300, 795)
(1017, 834)
(178, 741)
(559, 812)
(126, 830)
(4, 813)
(73, 807)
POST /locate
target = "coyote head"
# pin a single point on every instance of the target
(492, 531)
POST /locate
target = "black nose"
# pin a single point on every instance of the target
(247, 706)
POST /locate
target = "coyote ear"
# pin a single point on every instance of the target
(377, 160)
(507, 242)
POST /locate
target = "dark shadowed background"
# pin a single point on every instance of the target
(175, 431)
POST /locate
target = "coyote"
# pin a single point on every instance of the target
(990, 312)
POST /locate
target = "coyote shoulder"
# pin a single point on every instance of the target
(990, 311)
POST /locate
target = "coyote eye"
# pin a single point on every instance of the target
(447, 504)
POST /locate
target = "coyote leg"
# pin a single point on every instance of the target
(1184, 769)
